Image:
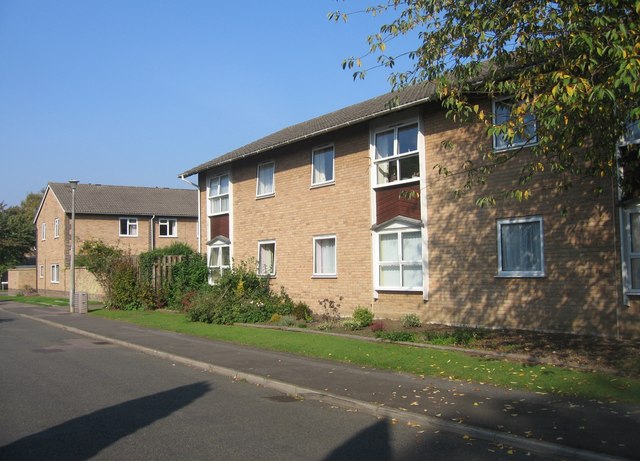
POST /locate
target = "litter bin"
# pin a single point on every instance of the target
(80, 302)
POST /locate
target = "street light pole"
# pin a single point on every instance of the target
(72, 284)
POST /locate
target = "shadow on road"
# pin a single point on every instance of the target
(83, 437)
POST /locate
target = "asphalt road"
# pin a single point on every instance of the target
(67, 397)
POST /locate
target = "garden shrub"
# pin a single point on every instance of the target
(351, 324)
(456, 337)
(330, 311)
(411, 321)
(240, 295)
(377, 326)
(302, 312)
(396, 336)
(362, 316)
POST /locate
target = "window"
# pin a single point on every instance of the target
(267, 258)
(322, 160)
(520, 247)
(219, 194)
(524, 129)
(631, 249)
(396, 155)
(400, 260)
(219, 262)
(629, 163)
(55, 273)
(43, 233)
(324, 256)
(41, 268)
(168, 227)
(266, 180)
(129, 227)
(56, 228)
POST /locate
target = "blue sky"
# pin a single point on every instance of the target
(134, 92)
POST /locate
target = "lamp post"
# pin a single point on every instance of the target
(72, 284)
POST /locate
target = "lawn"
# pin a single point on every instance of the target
(401, 358)
(40, 300)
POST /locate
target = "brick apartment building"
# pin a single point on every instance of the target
(135, 219)
(320, 207)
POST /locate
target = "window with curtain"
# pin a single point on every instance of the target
(219, 194)
(525, 129)
(128, 227)
(631, 248)
(400, 260)
(322, 160)
(520, 247)
(324, 256)
(168, 227)
(55, 273)
(219, 262)
(266, 180)
(267, 258)
(396, 154)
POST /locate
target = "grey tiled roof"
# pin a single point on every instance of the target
(126, 200)
(341, 118)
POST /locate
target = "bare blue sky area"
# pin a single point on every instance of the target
(134, 92)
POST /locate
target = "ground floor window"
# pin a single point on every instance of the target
(267, 258)
(324, 256)
(168, 227)
(219, 262)
(520, 247)
(631, 248)
(399, 259)
(55, 273)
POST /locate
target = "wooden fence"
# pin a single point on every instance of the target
(161, 271)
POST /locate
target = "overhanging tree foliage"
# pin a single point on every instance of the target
(574, 65)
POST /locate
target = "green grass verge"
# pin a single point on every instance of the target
(41, 300)
(407, 359)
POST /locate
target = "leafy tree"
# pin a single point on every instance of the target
(575, 65)
(17, 232)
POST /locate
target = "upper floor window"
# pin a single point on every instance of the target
(396, 155)
(324, 256)
(43, 232)
(168, 227)
(266, 179)
(520, 247)
(56, 228)
(629, 163)
(128, 227)
(219, 194)
(520, 128)
(322, 162)
(631, 249)
(267, 258)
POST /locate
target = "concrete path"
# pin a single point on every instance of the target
(553, 426)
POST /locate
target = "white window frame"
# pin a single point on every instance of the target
(56, 228)
(396, 156)
(271, 164)
(398, 230)
(166, 222)
(520, 273)
(55, 273)
(215, 194)
(219, 263)
(321, 151)
(628, 255)
(499, 143)
(130, 222)
(43, 231)
(316, 243)
(260, 270)
(41, 271)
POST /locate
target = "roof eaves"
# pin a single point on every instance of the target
(211, 164)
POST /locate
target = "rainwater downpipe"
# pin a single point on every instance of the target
(153, 233)
(198, 226)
